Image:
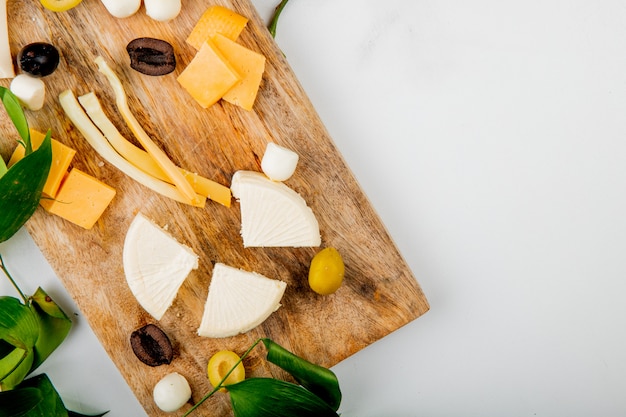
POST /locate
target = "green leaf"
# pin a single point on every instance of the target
(16, 114)
(3, 167)
(51, 404)
(319, 380)
(14, 367)
(18, 402)
(20, 189)
(54, 325)
(36, 397)
(268, 397)
(21, 185)
(19, 327)
(48, 306)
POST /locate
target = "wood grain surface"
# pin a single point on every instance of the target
(379, 295)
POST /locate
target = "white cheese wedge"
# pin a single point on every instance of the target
(272, 214)
(155, 265)
(238, 301)
(6, 61)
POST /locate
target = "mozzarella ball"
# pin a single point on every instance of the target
(278, 163)
(122, 8)
(162, 10)
(29, 90)
(171, 392)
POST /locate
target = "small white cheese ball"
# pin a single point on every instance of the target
(162, 10)
(171, 392)
(122, 8)
(29, 90)
(279, 163)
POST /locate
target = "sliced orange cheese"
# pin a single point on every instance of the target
(81, 199)
(216, 19)
(249, 65)
(220, 60)
(208, 76)
(61, 158)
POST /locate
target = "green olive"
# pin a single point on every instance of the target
(59, 5)
(326, 271)
(219, 365)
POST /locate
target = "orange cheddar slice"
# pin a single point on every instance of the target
(81, 199)
(249, 64)
(208, 76)
(216, 19)
(61, 158)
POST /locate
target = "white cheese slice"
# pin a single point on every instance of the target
(238, 301)
(155, 265)
(272, 214)
(6, 61)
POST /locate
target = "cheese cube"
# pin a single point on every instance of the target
(208, 76)
(249, 64)
(61, 158)
(81, 199)
(216, 19)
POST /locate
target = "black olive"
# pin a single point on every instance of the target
(151, 56)
(151, 345)
(38, 59)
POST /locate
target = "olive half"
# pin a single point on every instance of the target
(38, 59)
(151, 56)
(151, 345)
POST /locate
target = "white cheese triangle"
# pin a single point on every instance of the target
(272, 214)
(155, 265)
(238, 301)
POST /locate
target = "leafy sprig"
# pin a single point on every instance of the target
(317, 393)
(274, 20)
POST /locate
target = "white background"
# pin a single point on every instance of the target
(490, 136)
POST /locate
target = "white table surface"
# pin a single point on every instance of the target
(490, 136)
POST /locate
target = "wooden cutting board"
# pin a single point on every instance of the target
(379, 295)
